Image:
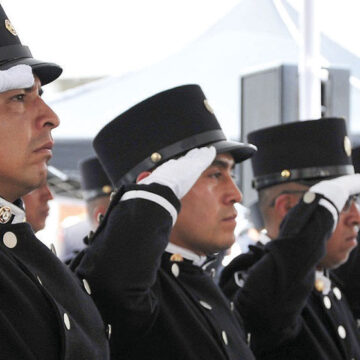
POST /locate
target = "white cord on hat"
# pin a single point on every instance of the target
(17, 77)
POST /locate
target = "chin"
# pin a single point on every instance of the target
(226, 245)
(338, 263)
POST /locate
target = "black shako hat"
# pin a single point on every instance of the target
(12, 53)
(356, 158)
(301, 150)
(94, 181)
(161, 127)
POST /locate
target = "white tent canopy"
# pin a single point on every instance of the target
(256, 34)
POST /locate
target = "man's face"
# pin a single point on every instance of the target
(343, 240)
(36, 206)
(25, 133)
(206, 221)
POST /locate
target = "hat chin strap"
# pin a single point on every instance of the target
(170, 151)
(260, 182)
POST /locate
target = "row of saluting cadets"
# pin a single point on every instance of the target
(140, 289)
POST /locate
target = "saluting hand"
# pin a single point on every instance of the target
(182, 173)
(338, 190)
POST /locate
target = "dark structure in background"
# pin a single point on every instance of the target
(270, 97)
(64, 173)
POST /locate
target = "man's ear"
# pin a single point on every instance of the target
(142, 175)
(99, 210)
(283, 204)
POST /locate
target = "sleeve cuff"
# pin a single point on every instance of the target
(331, 208)
(151, 196)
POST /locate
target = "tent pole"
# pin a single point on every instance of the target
(309, 63)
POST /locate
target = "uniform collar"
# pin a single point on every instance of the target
(11, 213)
(263, 237)
(186, 254)
(322, 282)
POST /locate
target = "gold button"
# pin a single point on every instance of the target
(176, 258)
(319, 285)
(285, 173)
(5, 214)
(106, 189)
(155, 157)
(347, 146)
(10, 239)
(10, 27)
(208, 107)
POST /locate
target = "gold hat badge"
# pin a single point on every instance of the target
(9, 26)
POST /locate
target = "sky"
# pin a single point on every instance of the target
(113, 37)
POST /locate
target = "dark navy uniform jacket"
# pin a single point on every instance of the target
(159, 308)
(46, 313)
(348, 276)
(286, 316)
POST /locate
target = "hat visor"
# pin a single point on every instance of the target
(240, 151)
(46, 72)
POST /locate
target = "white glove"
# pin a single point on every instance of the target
(339, 189)
(17, 77)
(181, 174)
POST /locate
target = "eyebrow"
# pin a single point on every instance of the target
(32, 88)
(223, 164)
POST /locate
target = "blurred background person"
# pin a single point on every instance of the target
(348, 274)
(96, 189)
(37, 207)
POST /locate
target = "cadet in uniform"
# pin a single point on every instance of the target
(298, 311)
(348, 274)
(45, 311)
(36, 206)
(159, 300)
(96, 189)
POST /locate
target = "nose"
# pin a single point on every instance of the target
(46, 116)
(233, 193)
(46, 193)
(49, 194)
(354, 215)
